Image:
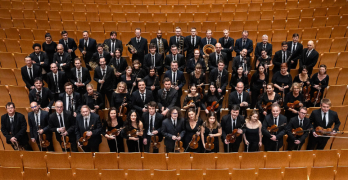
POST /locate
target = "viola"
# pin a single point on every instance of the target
(232, 137)
(305, 92)
(214, 105)
(316, 96)
(44, 143)
(321, 131)
(114, 132)
(122, 111)
(155, 142)
(132, 133)
(195, 139)
(299, 131)
(178, 145)
(209, 144)
(84, 139)
(294, 105)
(274, 128)
(65, 142)
(267, 106)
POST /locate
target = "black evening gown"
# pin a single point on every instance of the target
(133, 146)
(112, 143)
(252, 135)
(50, 49)
(208, 131)
(189, 133)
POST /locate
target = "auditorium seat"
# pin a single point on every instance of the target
(208, 25)
(333, 20)
(339, 45)
(13, 173)
(26, 46)
(7, 61)
(79, 7)
(343, 76)
(252, 160)
(279, 24)
(66, 15)
(329, 59)
(245, 174)
(295, 173)
(34, 159)
(19, 96)
(213, 16)
(5, 98)
(7, 23)
(254, 15)
(104, 8)
(79, 16)
(338, 31)
(254, 6)
(324, 32)
(267, 6)
(11, 159)
(326, 158)
(309, 34)
(294, 13)
(107, 16)
(116, 174)
(105, 160)
(227, 16)
(265, 25)
(270, 173)
(153, 8)
(319, 21)
(130, 161)
(336, 93)
(228, 160)
(302, 158)
(81, 160)
(35, 173)
(277, 159)
(179, 161)
(91, 7)
(154, 161)
(323, 45)
(82, 174)
(322, 173)
(110, 26)
(166, 8)
(320, 11)
(203, 161)
(165, 174)
(25, 33)
(53, 15)
(342, 173)
(12, 33)
(92, 16)
(43, 24)
(279, 35)
(57, 160)
(139, 174)
(191, 174)
(237, 26)
(280, 14)
(96, 27)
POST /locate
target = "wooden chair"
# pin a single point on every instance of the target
(11, 159)
(154, 161)
(203, 161)
(342, 173)
(179, 161)
(329, 59)
(322, 173)
(82, 174)
(7, 61)
(19, 96)
(57, 160)
(276, 159)
(61, 173)
(228, 160)
(130, 161)
(336, 94)
(116, 174)
(141, 174)
(34, 159)
(252, 160)
(35, 173)
(295, 173)
(217, 174)
(165, 174)
(270, 173)
(326, 158)
(13, 173)
(105, 160)
(5, 97)
(191, 174)
(339, 45)
(243, 174)
(323, 45)
(302, 158)
(81, 160)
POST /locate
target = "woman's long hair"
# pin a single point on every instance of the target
(128, 125)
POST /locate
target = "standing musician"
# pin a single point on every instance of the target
(193, 100)
(88, 123)
(69, 44)
(309, 57)
(152, 121)
(325, 118)
(167, 96)
(38, 123)
(207, 40)
(92, 99)
(244, 43)
(62, 59)
(267, 99)
(192, 42)
(215, 57)
(40, 58)
(227, 45)
(239, 98)
(133, 132)
(282, 80)
(292, 97)
(253, 133)
(229, 123)
(119, 63)
(175, 40)
(319, 82)
(178, 79)
(152, 81)
(257, 83)
(71, 100)
(192, 127)
(56, 80)
(192, 63)
(113, 123)
(153, 59)
(241, 60)
(101, 54)
(140, 44)
(105, 77)
(79, 77)
(173, 129)
(281, 57)
(175, 56)
(41, 95)
(50, 47)
(13, 127)
(295, 141)
(303, 78)
(121, 96)
(137, 71)
(63, 124)
(141, 97)
(264, 59)
(211, 97)
(160, 43)
(30, 72)
(212, 128)
(113, 43)
(87, 47)
(264, 45)
(273, 141)
(239, 77)
(220, 77)
(296, 49)
(129, 78)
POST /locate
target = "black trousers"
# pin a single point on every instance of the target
(273, 145)
(292, 146)
(233, 147)
(318, 143)
(108, 94)
(25, 146)
(91, 148)
(147, 146)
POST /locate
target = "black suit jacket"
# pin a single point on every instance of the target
(204, 42)
(71, 45)
(228, 47)
(317, 120)
(19, 128)
(181, 61)
(121, 67)
(268, 122)
(109, 84)
(169, 101)
(224, 79)
(158, 63)
(181, 81)
(96, 129)
(118, 44)
(141, 48)
(277, 60)
(91, 48)
(86, 77)
(189, 48)
(248, 45)
(172, 41)
(296, 55)
(65, 59)
(226, 124)
(46, 100)
(168, 130)
(62, 79)
(233, 99)
(106, 55)
(165, 45)
(191, 65)
(43, 58)
(69, 122)
(259, 48)
(237, 61)
(25, 76)
(309, 61)
(138, 103)
(77, 100)
(44, 116)
(295, 123)
(157, 124)
(212, 60)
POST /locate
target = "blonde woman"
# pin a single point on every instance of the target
(253, 134)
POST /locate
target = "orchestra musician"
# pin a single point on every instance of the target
(219, 74)
(100, 53)
(79, 77)
(153, 59)
(115, 141)
(173, 128)
(56, 80)
(239, 98)
(13, 127)
(192, 42)
(319, 82)
(192, 127)
(140, 44)
(325, 118)
(215, 57)
(192, 63)
(211, 96)
(257, 82)
(69, 44)
(309, 57)
(152, 81)
(134, 140)
(211, 127)
(113, 43)
(293, 96)
(282, 80)
(207, 40)
(303, 77)
(157, 41)
(41, 95)
(71, 100)
(175, 40)
(194, 98)
(129, 78)
(62, 59)
(244, 43)
(253, 133)
(120, 96)
(198, 77)
(241, 60)
(119, 63)
(40, 59)
(137, 70)
(175, 56)
(264, 59)
(239, 77)
(281, 57)
(50, 47)
(141, 97)
(178, 79)
(87, 47)
(296, 49)
(268, 97)
(227, 45)
(166, 97)
(105, 77)
(92, 99)
(30, 72)
(264, 45)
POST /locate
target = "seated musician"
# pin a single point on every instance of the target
(40, 58)
(152, 81)
(303, 78)
(62, 59)
(265, 59)
(198, 77)
(215, 57)
(113, 123)
(133, 132)
(153, 59)
(79, 77)
(92, 99)
(239, 77)
(212, 128)
(319, 82)
(253, 133)
(173, 129)
(166, 97)
(29, 72)
(193, 99)
(211, 97)
(13, 127)
(41, 95)
(220, 77)
(257, 84)
(229, 123)
(88, 123)
(101, 53)
(267, 99)
(293, 96)
(137, 70)
(71, 100)
(240, 98)
(174, 56)
(152, 121)
(207, 40)
(118, 62)
(281, 57)
(263, 46)
(295, 141)
(129, 78)
(192, 127)
(38, 123)
(120, 96)
(241, 60)
(273, 141)
(63, 124)
(56, 80)
(193, 62)
(325, 118)
(282, 81)
(141, 97)
(140, 46)
(178, 80)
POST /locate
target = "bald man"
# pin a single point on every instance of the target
(309, 57)
(62, 59)
(216, 56)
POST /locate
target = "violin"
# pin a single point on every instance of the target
(154, 142)
(195, 139)
(44, 143)
(114, 132)
(65, 142)
(209, 144)
(316, 96)
(232, 137)
(214, 105)
(267, 106)
(274, 128)
(282, 94)
(294, 105)
(84, 139)
(321, 131)
(132, 133)
(122, 111)
(178, 146)
(299, 131)
(305, 92)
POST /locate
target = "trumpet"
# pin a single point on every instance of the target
(160, 47)
(181, 45)
(132, 48)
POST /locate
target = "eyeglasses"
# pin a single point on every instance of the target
(33, 107)
(174, 113)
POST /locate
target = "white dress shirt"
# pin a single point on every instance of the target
(149, 132)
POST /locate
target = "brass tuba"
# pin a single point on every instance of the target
(208, 49)
(131, 47)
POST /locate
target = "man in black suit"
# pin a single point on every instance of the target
(175, 40)
(63, 124)
(229, 123)
(141, 97)
(295, 142)
(280, 57)
(178, 80)
(101, 54)
(62, 59)
(13, 127)
(274, 141)
(215, 57)
(29, 73)
(263, 45)
(325, 118)
(167, 97)
(244, 43)
(171, 127)
(56, 80)
(38, 123)
(42, 95)
(192, 42)
(239, 98)
(153, 59)
(207, 40)
(175, 56)
(79, 77)
(87, 47)
(90, 123)
(157, 41)
(104, 75)
(71, 100)
(152, 122)
(69, 44)
(120, 63)
(40, 58)
(296, 49)
(309, 57)
(140, 44)
(227, 45)
(220, 77)
(241, 60)
(113, 43)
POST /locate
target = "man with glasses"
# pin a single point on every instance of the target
(174, 56)
(71, 100)
(140, 44)
(175, 40)
(192, 42)
(42, 95)
(29, 72)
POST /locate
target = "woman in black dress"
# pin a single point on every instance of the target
(211, 128)
(93, 99)
(291, 97)
(49, 47)
(239, 77)
(129, 79)
(152, 81)
(192, 127)
(193, 62)
(258, 80)
(115, 141)
(138, 72)
(267, 98)
(265, 60)
(303, 78)
(120, 96)
(133, 132)
(210, 97)
(253, 134)
(282, 81)
(320, 81)
(195, 97)
(198, 77)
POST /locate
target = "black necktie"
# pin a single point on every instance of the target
(243, 43)
(79, 76)
(324, 118)
(66, 43)
(60, 120)
(275, 121)
(38, 56)
(301, 122)
(85, 45)
(56, 83)
(69, 103)
(103, 72)
(193, 41)
(264, 46)
(208, 41)
(117, 62)
(137, 40)
(38, 97)
(233, 124)
(37, 120)
(283, 56)
(307, 53)
(153, 60)
(177, 40)
(239, 97)
(174, 57)
(174, 77)
(12, 124)
(143, 97)
(113, 46)
(174, 124)
(293, 48)
(86, 125)
(151, 123)
(30, 74)
(100, 55)
(226, 40)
